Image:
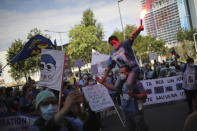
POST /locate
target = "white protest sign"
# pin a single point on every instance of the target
(15, 122)
(163, 90)
(98, 63)
(98, 97)
(153, 56)
(51, 67)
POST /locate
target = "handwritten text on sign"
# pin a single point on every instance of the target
(98, 97)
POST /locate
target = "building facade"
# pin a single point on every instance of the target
(164, 18)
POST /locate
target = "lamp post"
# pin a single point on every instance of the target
(195, 41)
(121, 19)
(58, 33)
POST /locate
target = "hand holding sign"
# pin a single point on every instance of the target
(72, 98)
(99, 80)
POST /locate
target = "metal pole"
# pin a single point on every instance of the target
(195, 41)
(121, 19)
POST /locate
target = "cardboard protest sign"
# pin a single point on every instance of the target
(98, 97)
(51, 67)
(163, 90)
(98, 63)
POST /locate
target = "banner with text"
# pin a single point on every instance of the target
(16, 122)
(163, 90)
(98, 97)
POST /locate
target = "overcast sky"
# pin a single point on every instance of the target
(18, 17)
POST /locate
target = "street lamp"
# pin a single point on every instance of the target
(121, 19)
(195, 41)
(58, 33)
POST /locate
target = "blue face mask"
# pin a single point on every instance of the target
(48, 111)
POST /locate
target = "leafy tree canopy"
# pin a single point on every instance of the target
(23, 68)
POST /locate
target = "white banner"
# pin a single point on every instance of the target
(51, 67)
(98, 97)
(99, 63)
(163, 90)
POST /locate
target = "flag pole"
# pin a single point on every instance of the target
(62, 83)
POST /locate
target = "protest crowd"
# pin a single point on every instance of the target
(70, 110)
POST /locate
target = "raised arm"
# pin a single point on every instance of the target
(109, 86)
(136, 32)
(103, 79)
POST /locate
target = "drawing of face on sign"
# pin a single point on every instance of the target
(47, 67)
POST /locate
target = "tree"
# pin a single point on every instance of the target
(144, 45)
(23, 68)
(186, 47)
(88, 18)
(185, 35)
(82, 40)
(86, 36)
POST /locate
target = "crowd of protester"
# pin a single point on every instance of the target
(75, 113)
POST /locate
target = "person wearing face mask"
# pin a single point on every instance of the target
(190, 83)
(123, 54)
(50, 119)
(133, 114)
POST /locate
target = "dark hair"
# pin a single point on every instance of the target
(128, 68)
(190, 60)
(113, 37)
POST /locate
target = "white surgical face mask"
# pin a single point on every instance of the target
(123, 76)
(48, 111)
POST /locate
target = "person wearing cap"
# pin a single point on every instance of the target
(50, 119)
(190, 83)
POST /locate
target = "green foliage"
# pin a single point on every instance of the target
(104, 48)
(186, 47)
(23, 68)
(88, 18)
(34, 32)
(82, 40)
(185, 35)
(144, 45)
(86, 36)
(128, 30)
